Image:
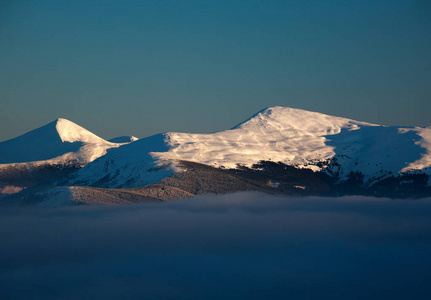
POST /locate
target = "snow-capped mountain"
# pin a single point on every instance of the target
(59, 142)
(280, 134)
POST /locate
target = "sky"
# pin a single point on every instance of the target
(145, 67)
(239, 246)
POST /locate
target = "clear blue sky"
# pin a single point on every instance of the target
(144, 67)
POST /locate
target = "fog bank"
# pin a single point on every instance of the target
(244, 245)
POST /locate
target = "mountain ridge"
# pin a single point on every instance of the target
(277, 150)
(59, 141)
(290, 136)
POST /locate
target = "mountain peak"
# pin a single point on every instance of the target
(69, 131)
(278, 118)
(58, 140)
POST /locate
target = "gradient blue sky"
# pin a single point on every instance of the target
(144, 67)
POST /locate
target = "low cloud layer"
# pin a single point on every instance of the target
(244, 245)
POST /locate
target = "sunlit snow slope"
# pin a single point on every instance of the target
(58, 142)
(280, 134)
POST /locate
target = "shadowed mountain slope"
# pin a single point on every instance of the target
(57, 142)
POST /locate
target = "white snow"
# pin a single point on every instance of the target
(58, 142)
(71, 132)
(424, 143)
(280, 134)
(291, 136)
(132, 165)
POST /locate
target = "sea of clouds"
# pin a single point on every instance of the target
(244, 245)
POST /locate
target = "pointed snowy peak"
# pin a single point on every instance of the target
(59, 141)
(71, 132)
(286, 118)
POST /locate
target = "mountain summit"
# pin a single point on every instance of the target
(60, 141)
(280, 134)
(278, 150)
